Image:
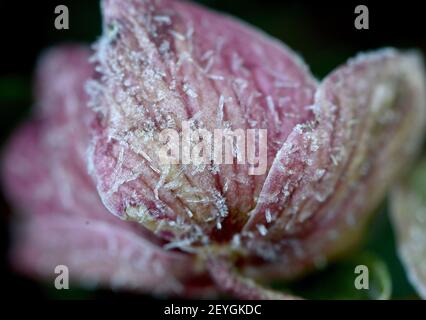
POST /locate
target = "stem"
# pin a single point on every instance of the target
(227, 279)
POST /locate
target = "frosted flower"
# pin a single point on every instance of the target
(333, 150)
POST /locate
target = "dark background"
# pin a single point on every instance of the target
(322, 32)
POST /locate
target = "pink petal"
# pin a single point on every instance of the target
(100, 253)
(163, 62)
(331, 174)
(45, 165)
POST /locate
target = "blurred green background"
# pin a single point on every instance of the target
(322, 32)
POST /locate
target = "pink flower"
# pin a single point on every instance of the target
(333, 150)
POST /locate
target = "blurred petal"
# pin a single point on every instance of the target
(46, 158)
(62, 101)
(369, 122)
(164, 62)
(408, 207)
(100, 253)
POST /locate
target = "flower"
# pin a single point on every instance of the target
(333, 150)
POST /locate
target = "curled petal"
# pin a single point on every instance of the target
(331, 173)
(408, 208)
